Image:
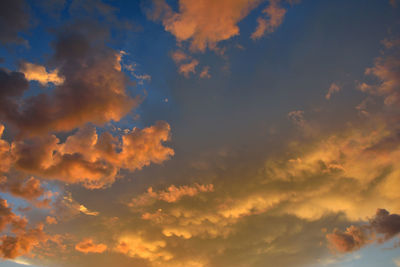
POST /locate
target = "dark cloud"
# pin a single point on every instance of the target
(384, 226)
(94, 89)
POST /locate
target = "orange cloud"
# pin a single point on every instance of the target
(94, 90)
(384, 226)
(51, 220)
(205, 73)
(387, 71)
(88, 246)
(188, 68)
(170, 195)
(134, 245)
(275, 15)
(22, 239)
(334, 88)
(352, 239)
(5, 155)
(34, 72)
(203, 23)
(90, 159)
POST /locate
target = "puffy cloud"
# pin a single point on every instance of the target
(5, 155)
(65, 207)
(187, 68)
(34, 72)
(203, 23)
(352, 239)
(88, 158)
(22, 243)
(88, 246)
(93, 89)
(170, 195)
(13, 13)
(22, 239)
(51, 220)
(179, 56)
(355, 237)
(334, 88)
(134, 245)
(275, 14)
(205, 73)
(386, 71)
(31, 189)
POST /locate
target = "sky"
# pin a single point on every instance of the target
(200, 133)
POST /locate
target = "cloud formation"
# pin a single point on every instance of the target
(134, 245)
(88, 246)
(93, 89)
(386, 72)
(21, 239)
(91, 159)
(203, 23)
(34, 72)
(334, 88)
(381, 228)
(170, 195)
(275, 15)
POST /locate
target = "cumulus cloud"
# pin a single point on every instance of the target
(65, 207)
(188, 68)
(5, 155)
(34, 72)
(30, 189)
(384, 226)
(135, 245)
(275, 15)
(334, 88)
(93, 89)
(13, 13)
(205, 73)
(352, 239)
(88, 246)
(22, 239)
(170, 195)
(203, 23)
(90, 159)
(386, 71)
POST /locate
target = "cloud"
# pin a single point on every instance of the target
(5, 155)
(134, 245)
(93, 89)
(188, 68)
(30, 189)
(205, 73)
(14, 14)
(65, 207)
(179, 56)
(334, 88)
(88, 246)
(51, 220)
(275, 14)
(203, 23)
(170, 195)
(352, 239)
(297, 116)
(90, 159)
(22, 239)
(386, 71)
(34, 72)
(383, 227)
